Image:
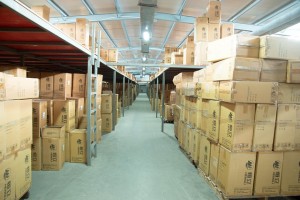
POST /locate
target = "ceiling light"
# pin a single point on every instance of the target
(144, 68)
(144, 58)
(146, 35)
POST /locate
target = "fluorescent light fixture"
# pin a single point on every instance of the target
(146, 35)
(144, 58)
(144, 68)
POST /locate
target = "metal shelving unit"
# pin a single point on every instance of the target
(27, 39)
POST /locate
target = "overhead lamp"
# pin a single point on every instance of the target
(146, 35)
(144, 68)
(144, 58)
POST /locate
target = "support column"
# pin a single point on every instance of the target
(114, 109)
(163, 103)
(123, 97)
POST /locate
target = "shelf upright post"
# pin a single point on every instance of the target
(156, 97)
(163, 102)
(128, 89)
(114, 109)
(123, 97)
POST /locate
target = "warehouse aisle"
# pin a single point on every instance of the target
(135, 162)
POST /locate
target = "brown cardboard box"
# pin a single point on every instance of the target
(106, 103)
(205, 108)
(236, 68)
(8, 178)
(264, 127)
(188, 56)
(64, 113)
(54, 132)
(214, 160)
(248, 91)
(53, 153)
(213, 120)
(210, 90)
(46, 85)
(39, 116)
(176, 58)
(99, 81)
(25, 123)
(288, 115)
(36, 154)
(293, 71)
(82, 31)
(289, 93)
(201, 29)
(16, 71)
(62, 86)
(204, 157)
(106, 122)
(290, 184)
(167, 59)
(236, 126)
(99, 130)
(67, 147)
(268, 173)
(183, 77)
(23, 172)
(213, 32)
(201, 53)
(78, 89)
(68, 29)
(233, 46)
(42, 11)
(236, 172)
(79, 109)
(278, 47)
(18, 87)
(83, 124)
(49, 112)
(113, 55)
(196, 146)
(168, 113)
(227, 30)
(104, 54)
(78, 145)
(273, 70)
(213, 11)
(32, 74)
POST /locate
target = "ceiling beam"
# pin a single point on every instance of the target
(248, 7)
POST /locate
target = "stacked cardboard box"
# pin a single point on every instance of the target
(109, 55)
(16, 127)
(172, 52)
(106, 112)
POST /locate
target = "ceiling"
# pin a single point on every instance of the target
(120, 23)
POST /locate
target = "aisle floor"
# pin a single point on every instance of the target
(135, 162)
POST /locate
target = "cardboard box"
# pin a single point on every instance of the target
(18, 87)
(25, 123)
(39, 116)
(168, 113)
(113, 55)
(183, 77)
(46, 85)
(205, 109)
(188, 56)
(201, 29)
(36, 154)
(264, 127)
(196, 146)
(214, 32)
(104, 54)
(268, 173)
(290, 184)
(78, 145)
(64, 113)
(99, 131)
(204, 157)
(53, 153)
(210, 90)
(8, 178)
(23, 172)
(288, 115)
(78, 89)
(227, 30)
(213, 11)
(273, 70)
(236, 173)
(42, 11)
(176, 58)
(16, 71)
(214, 161)
(278, 47)
(68, 29)
(79, 109)
(236, 126)
(82, 31)
(106, 122)
(213, 120)
(67, 147)
(106, 103)
(62, 86)
(289, 93)
(233, 46)
(201, 53)
(167, 59)
(237, 69)
(50, 112)
(293, 71)
(248, 91)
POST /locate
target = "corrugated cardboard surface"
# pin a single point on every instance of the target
(78, 145)
(53, 153)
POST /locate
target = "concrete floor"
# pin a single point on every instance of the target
(135, 162)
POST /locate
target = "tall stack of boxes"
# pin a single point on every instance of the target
(16, 127)
(106, 112)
